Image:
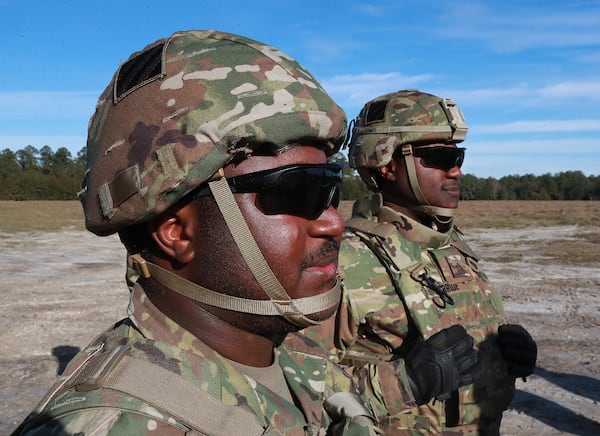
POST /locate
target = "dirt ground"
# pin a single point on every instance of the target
(60, 289)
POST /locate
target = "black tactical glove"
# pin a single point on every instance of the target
(442, 364)
(518, 349)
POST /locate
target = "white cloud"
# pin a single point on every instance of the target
(371, 10)
(500, 166)
(49, 104)
(578, 125)
(502, 158)
(587, 57)
(519, 26)
(490, 96)
(318, 49)
(510, 164)
(562, 146)
(587, 89)
(353, 91)
(528, 95)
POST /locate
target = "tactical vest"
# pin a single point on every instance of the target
(413, 291)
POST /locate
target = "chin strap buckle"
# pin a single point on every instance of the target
(138, 263)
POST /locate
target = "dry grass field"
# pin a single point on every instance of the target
(27, 216)
(61, 285)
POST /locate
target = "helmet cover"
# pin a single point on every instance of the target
(185, 106)
(404, 117)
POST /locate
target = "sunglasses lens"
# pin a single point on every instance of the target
(305, 192)
(444, 158)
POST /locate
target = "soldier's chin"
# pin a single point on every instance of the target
(322, 316)
(316, 318)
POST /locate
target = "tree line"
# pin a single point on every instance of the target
(41, 174)
(44, 174)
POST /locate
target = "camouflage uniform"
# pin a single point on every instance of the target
(172, 117)
(81, 403)
(387, 304)
(405, 282)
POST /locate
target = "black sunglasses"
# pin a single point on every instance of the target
(304, 190)
(443, 158)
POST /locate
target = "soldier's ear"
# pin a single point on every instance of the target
(388, 172)
(174, 231)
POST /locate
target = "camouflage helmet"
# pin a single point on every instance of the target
(182, 108)
(398, 118)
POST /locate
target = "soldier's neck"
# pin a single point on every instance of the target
(222, 336)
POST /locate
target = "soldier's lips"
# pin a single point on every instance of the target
(325, 268)
(453, 190)
(329, 270)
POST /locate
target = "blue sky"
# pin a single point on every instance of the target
(526, 74)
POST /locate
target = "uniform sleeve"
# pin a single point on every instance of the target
(369, 308)
(384, 386)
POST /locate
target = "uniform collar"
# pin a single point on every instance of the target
(156, 325)
(413, 230)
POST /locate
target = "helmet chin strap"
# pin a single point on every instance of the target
(279, 302)
(441, 215)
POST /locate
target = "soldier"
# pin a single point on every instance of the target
(208, 155)
(414, 290)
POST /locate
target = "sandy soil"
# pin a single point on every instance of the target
(60, 289)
